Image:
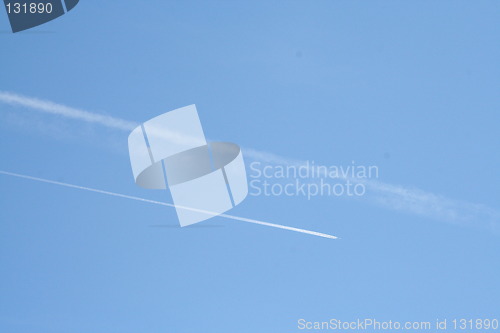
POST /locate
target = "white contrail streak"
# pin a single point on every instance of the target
(232, 217)
(82, 115)
(66, 111)
(394, 197)
(402, 198)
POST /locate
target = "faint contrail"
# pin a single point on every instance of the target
(394, 197)
(66, 111)
(87, 116)
(232, 217)
(407, 199)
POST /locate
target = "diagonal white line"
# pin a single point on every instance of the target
(66, 111)
(232, 217)
(394, 197)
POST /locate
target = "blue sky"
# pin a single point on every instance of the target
(411, 87)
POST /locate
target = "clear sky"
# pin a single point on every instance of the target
(409, 86)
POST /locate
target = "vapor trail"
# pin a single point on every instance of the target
(231, 217)
(66, 111)
(394, 197)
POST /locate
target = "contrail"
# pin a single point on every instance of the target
(66, 111)
(394, 197)
(227, 216)
(87, 116)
